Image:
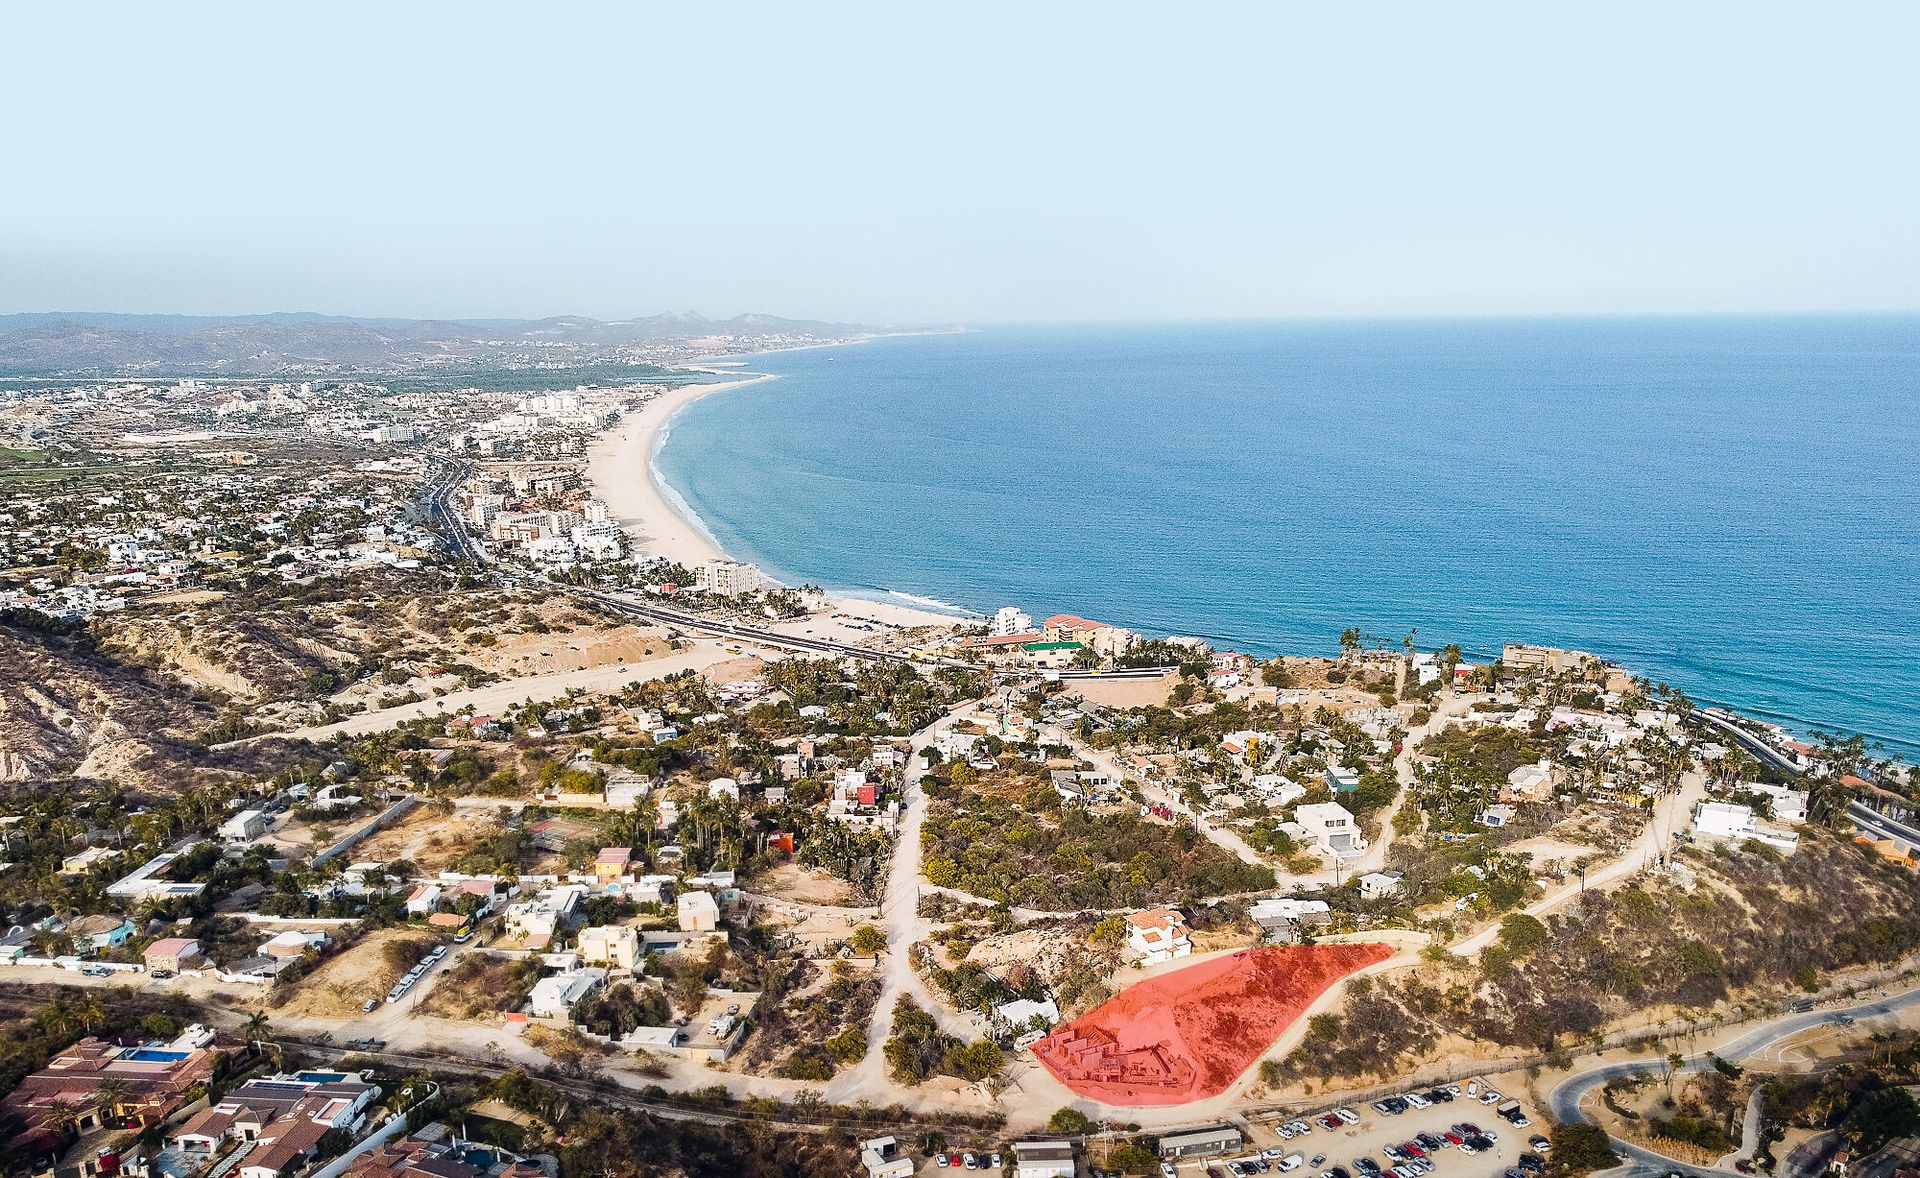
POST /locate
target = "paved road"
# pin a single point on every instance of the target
(1563, 1103)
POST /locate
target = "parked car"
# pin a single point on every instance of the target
(1300, 1126)
(1347, 1115)
(969, 1161)
(160, 975)
(1331, 1121)
(369, 1006)
(1273, 1155)
(1532, 1163)
(1440, 1094)
(940, 1160)
(1540, 1143)
(1318, 1159)
(1166, 1168)
(1417, 1100)
(1292, 1161)
(995, 1164)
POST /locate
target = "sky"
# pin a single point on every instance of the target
(934, 163)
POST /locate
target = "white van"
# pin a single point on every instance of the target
(1291, 1162)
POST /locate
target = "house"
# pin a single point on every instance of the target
(424, 901)
(553, 997)
(451, 922)
(245, 826)
(292, 944)
(612, 864)
(1788, 805)
(155, 1076)
(414, 1157)
(1330, 825)
(1192, 1143)
(1043, 1159)
(883, 1159)
(1378, 885)
(1495, 816)
(282, 1119)
(1736, 823)
(699, 913)
(1157, 934)
(1343, 779)
(1071, 789)
(616, 945)
(1283, 919)
(172, 954)
(1277, 791)
(98, 933)
(544, 915)
(1529, 783)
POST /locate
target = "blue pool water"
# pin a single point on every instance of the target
(1726, 504)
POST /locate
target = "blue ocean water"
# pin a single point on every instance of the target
(1731, 505)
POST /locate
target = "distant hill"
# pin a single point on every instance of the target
(98, 343)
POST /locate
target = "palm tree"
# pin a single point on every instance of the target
(59, 1115)
(89, 1011)
(256, 1028)
(57, 1015)
(110, 1093)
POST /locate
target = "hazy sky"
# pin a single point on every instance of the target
(903, 162)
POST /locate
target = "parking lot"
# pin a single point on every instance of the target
(1343, 1148)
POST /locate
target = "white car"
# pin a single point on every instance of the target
(1291, 1162)
(1285, 1132)
(1417, 1100)
(1491, 1096)
(1347, 1115)
(1300, 1126)
(1167, 1170)
(1272, 1155)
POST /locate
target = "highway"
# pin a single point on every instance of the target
(445, 476)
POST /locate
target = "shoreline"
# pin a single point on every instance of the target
(622, 474)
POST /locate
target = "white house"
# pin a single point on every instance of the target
(1726, 820)
(424, 901)
(883, 1159)
(553, 997)
(1331, 826)
(1788, 805)
(698, 911)
(1043, 1159)
(1157, 934)
(1377, 885)
(245, 826)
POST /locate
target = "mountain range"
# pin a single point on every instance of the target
(104, 344)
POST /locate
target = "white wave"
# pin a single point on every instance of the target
(934, 603)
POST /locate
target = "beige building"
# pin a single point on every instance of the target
(616, 945)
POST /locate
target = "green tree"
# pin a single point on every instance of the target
(1581, 1148)
(868, 941)
(1070, 1121)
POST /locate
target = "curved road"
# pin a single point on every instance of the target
(1563, 1103)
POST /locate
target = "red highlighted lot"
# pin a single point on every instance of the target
(1186, 1035)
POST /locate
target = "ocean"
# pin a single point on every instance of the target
(1729, 505)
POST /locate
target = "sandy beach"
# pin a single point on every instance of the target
(620, 468)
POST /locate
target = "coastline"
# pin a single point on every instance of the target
(621, 470)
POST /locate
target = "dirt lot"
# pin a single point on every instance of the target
(1125, 693)
(427, 838)
(343, 982)
(805, 885)
(481, 986)
(571, 649)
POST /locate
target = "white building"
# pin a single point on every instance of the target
(246, 826)
(553, 997)
(1157, 934)
(1009, 620)
(698, 912)
(1043, 1159)
(883, 1159)
(1788, 805)
(1377, 885)
(1330, 825)
(729, 578)
(1725, 820)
